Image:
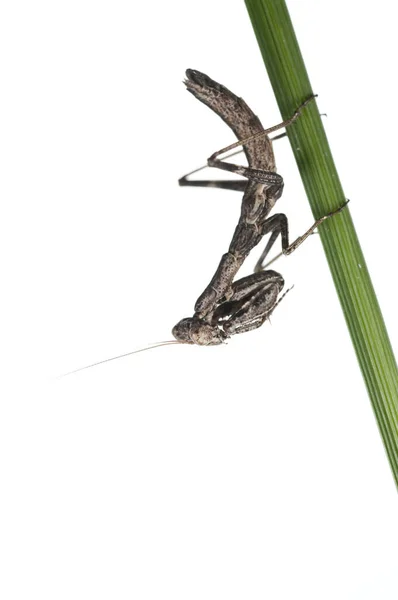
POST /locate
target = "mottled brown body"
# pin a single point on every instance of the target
(261, 192)
(236, 114)
(225, 308)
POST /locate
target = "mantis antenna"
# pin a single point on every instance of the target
(151, 347)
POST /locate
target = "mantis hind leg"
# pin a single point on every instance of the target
(278, 224)
(236, 185)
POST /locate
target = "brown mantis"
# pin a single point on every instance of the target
(227, 307)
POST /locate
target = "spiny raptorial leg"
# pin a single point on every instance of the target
(252, 301)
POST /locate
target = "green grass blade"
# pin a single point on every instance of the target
(289, 79)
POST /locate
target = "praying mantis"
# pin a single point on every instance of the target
(227, 307)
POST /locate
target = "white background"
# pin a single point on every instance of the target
(253, 470)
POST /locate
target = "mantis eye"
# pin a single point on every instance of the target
(182, 331)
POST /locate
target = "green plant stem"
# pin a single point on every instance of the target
(289, 79)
